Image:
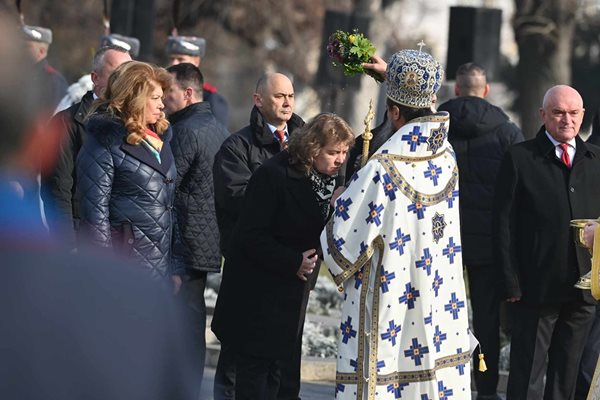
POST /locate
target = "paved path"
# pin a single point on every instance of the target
(309, 391)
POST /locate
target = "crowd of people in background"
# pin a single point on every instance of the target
(142, 171)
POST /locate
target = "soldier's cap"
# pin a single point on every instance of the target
(131, 44)
(37, 34)
(413, 77)
(188, 45)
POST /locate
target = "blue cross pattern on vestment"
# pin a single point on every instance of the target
(374, 214)
(347, 331)
(391, 333)
(338, 243)
(417, 208)
(451, 250)
(376, 178)
(342, 206)
(433, 172)
(416, 351)
(385, 278)
(389, 187)
(339, 388)
(460, 367)
(354, 364)
(425, 261)
(363, 247)
(425, 397)
(380, 364)
(443, 392)
(438, 338)
(450, 197)
(358, 278)
(399, 242)
(415, 138)
(428, 320)
(396, 388)
(410, 296)
(454, 305)
(437, 282)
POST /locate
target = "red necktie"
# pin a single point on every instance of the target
(281, 135)
(565, 154)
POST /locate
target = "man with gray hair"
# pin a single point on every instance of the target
(480, 133)
(542, 185)
(58, 184)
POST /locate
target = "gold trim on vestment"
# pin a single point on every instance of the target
(374, 338)
(408, 376)
(349, 267)
(387, 161)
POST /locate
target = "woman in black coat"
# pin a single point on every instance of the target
(126, 170)
(261, 304)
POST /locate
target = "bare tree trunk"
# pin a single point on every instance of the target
(544, 32)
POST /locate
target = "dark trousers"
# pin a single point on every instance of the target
(256, 378)
(225, 376)
(553, 333)
(485, 304)
(192, 295)
(225, 385)
(589, 359)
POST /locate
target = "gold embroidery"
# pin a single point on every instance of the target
(410, 376)
(410, 192)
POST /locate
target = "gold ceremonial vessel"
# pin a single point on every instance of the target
(591, 280)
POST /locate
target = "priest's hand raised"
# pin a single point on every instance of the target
(309, 260)
(377, 65)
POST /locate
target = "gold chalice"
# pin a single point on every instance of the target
(578, 225)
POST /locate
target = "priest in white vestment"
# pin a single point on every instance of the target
(394, 245)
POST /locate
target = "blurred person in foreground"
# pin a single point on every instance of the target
(480, 133)
(394, 245)
(191, 49)
(544, 183)
(59, 189)
(75, 326)
(272, 123)
(274, 249)
(197, 137)
(126, 170)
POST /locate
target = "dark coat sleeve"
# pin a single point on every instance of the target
(58, 184)
(503, 225)
(231, 175)
(219, 106)
(257, 235)
(95, 175)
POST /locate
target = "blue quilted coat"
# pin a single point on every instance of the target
(126, 195)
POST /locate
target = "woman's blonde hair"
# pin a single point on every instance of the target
(127, 91)
(306, 142)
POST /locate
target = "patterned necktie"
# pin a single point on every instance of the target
(565, 154)
(281, 136)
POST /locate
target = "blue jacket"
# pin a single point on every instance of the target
(126, 195)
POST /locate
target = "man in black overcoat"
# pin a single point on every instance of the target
(543, 183)
(239, 157)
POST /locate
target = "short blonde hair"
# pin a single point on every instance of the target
(306, 142)
(127, 91)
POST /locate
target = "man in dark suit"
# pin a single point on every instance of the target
(480, 133)
(543, 183)
(272, 121)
